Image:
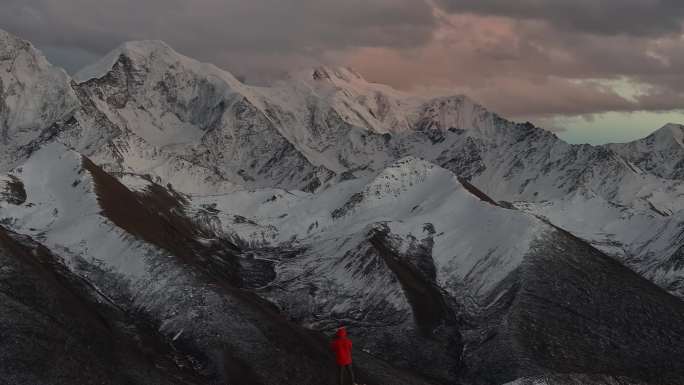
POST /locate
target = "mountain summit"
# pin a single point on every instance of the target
(35, 97)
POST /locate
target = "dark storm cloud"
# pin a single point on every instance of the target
(631, 17)
(520, 58)
(205, 27)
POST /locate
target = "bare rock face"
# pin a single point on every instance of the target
(12, 190)
(570, 309)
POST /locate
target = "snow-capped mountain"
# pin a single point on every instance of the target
(660, 153)
(233, 226)
(35, 99)
(139, 252)
(182, 122)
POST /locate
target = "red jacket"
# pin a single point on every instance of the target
(342, 346)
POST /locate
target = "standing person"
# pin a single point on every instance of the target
(342, 346)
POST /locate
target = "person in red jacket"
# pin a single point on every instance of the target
(342, 346)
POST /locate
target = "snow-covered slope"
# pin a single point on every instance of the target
(416, 199)
(412, 258)
(139, 250)
(412, 196)
(402, 258)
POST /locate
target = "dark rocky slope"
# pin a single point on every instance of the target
(570, 309)
(55, 328)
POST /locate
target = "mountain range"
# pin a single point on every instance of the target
(161, 222)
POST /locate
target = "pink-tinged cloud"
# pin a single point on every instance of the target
(529, 68)
(521, 58)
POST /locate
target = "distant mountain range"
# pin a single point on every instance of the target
(163, 223)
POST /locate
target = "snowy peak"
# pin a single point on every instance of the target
(152, 57)
(146, 48)
(136, 51)
(34, 97)
(669, 133)
(160, 95)
(323, 75)
(408, 184)
(454, 113)
(661, 153)
(323, 94)
(319, 116)
(10, 43)
(670, 136)
(337, 85)
(175, 118)
(337, 74)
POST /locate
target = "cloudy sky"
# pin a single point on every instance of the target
(596, 70)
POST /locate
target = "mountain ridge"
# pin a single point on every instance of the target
(130, 126)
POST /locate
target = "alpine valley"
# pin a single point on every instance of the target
(163, 223)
